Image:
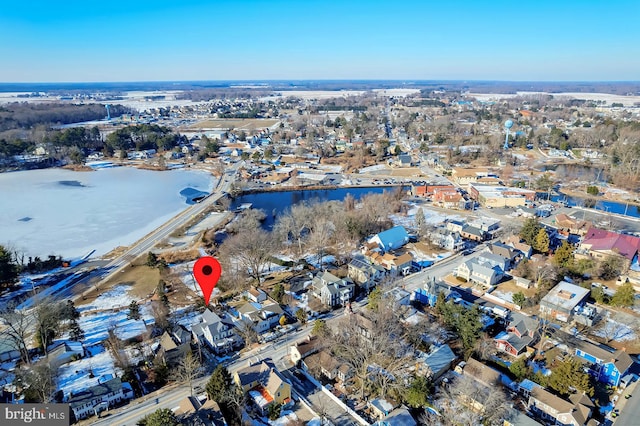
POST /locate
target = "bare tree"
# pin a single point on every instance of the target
(251, 249)
(16, 326)
(188, 369)
(37, 382)
(467, 402)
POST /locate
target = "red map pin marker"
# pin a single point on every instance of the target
(207, 271)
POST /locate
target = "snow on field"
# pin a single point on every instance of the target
(96, 326)
(315, 260)
(614, 330)
(287, 417)
(75, 376)
(431, 217)
(117, 297)
(187, 316)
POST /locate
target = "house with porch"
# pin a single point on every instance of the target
(555, 410)
(262, 316)
(325, 363)
(100, 397)
(264, 384)
(605, 364)
(214, 332)
(479, 272)
(365, 274)
(521, 333)
(331, 290)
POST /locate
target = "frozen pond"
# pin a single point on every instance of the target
(55, 211)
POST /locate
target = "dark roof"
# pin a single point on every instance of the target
(95, 392)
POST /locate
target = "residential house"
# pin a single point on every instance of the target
(447, 240)
(170, 351)
(438, 361)
(561, 301)
(507, 252)
(600, 244)
(492, 259)
(64, 352)
(98, 398)
(214, 332)
(479, 272)
(464, 177)
(325, 363)
(553, 409)
(264, 384)
(455, 225)
(521, 333)
(397, 264)
(391, 239)
(303, 348)
(398, 417)
(480, 372)
(262, 316)
(429, 294)
(515, 242)
(365, 274)
(404, 160)
(605, 365)
(381, 407)
(568, 224)
(472, 233)
(331, 290)
(205, 413)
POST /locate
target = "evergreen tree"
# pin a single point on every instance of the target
(8, 268)
(278, 292)
(219, 384)
(542, 241)
(520, 369)
(519, 298)
(75, 332)
(134, 311)
(570, 373)
(160, 417)
(564, 255)
(417, 395)
(529, 231)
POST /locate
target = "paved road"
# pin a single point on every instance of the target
(150, 240)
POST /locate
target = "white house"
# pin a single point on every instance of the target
(214, 332)
(99, 398)
(331, 290)
(263, 316)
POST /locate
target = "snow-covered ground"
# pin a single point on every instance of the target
(117, 297)
(614, 330)
(96, 325)
(75, 376)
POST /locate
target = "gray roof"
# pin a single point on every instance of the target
(95, 392)
(440, 359)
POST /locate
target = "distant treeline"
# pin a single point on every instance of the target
(25, 115)
(340, 108)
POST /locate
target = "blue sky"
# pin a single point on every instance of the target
(72, 40)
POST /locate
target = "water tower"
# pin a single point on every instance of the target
(107, 106)
(507, 126)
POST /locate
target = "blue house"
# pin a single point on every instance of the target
(605, 365)
(391, 239)
(429, 294)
